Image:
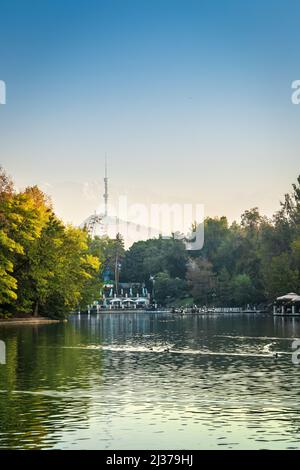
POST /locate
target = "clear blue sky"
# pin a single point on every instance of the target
(191, 100)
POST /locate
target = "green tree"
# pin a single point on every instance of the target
(75, 280)
(110, 252)
(223, 289)
(167, 289)
(242, 290)
(201, 280)
(45, 267)
(20, 224)
(146, 258)
(280, 277)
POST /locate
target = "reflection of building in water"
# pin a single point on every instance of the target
(104, 224)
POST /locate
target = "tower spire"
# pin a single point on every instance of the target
(105, 195)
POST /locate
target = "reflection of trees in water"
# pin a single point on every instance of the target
(47, 372)
(238, 386)
(81, 387)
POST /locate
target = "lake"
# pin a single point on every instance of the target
(151, 381)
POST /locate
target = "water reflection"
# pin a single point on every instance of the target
(151, 381)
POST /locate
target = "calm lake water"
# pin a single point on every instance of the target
(107, 382)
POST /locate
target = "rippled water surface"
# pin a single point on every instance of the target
(152, 381)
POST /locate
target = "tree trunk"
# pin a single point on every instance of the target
(36, 309)
(117, 273)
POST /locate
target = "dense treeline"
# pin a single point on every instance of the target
(46, 268)
(247, 263)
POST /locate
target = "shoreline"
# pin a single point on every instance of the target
(29, 321)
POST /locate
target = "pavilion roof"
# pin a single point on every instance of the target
(289, 296)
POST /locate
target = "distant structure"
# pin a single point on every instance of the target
(287, 305)
(91, 224)
(103, 224)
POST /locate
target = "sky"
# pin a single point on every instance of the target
(189, 99)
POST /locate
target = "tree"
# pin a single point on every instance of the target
(201, 280)
(110, 253)
(133, 269)
(167, 289)
(20, 224)
(223, 289)
(280, 277)
(45, 266)
(33, 268)
(6, 183)
(215, 233)
(49, 268)
(75, 271)
(242, 290)
(146, 258)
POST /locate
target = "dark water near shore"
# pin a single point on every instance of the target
(107, 382)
